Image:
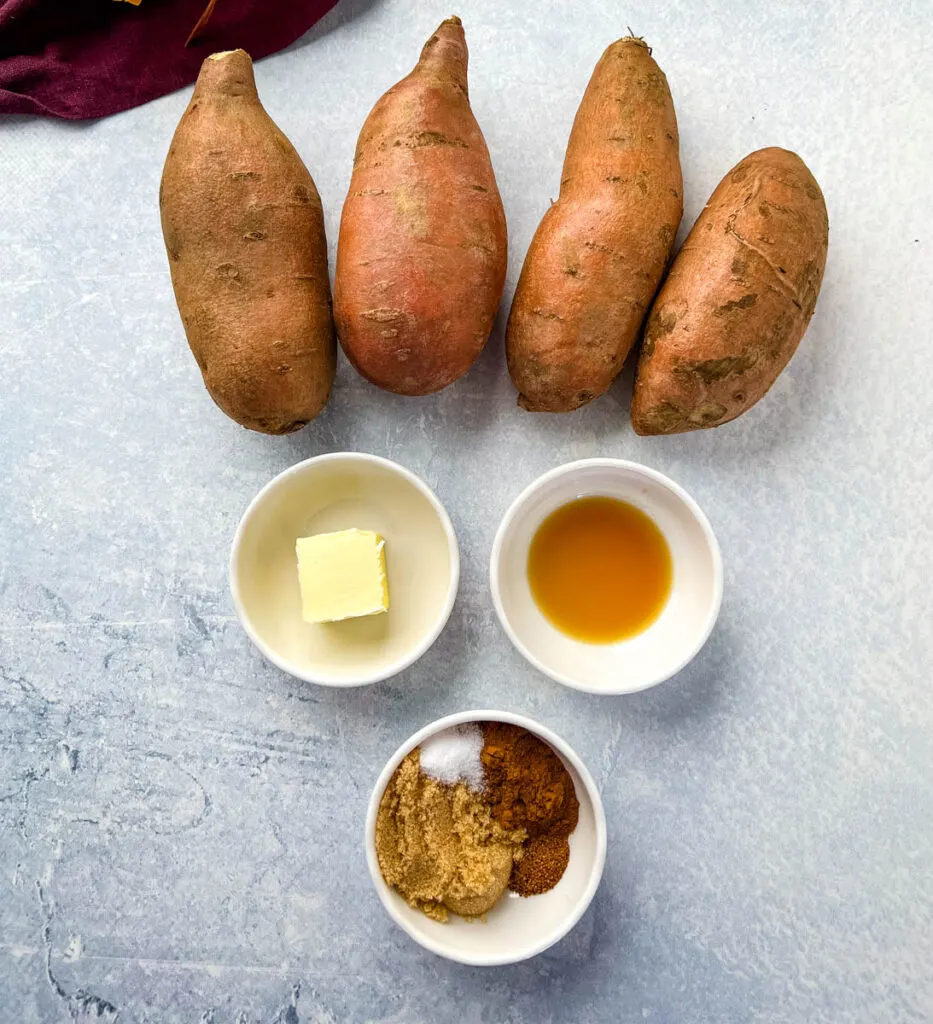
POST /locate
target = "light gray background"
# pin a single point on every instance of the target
(181, 823)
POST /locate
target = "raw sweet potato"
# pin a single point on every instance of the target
(421, 257)
(738, 299)
(598, 255)
(244, 231)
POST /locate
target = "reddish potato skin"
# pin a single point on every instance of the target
(244, 232)
(598, 255)
(421, 257)
(738, 298)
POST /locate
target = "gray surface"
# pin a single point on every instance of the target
(181, 823)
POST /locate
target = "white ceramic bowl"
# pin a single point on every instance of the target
(338, 492)
(687, 619)
(517, 927)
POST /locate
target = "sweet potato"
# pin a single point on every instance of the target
(421, 257)
(598, 255)
(738, 299)
(244, 231)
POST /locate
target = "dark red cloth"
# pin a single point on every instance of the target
(89, 58)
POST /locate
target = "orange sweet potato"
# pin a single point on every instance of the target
(738, 298)
(598, 255)
(421, 257)
(244, 231)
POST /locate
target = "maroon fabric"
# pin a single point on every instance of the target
(89, 58)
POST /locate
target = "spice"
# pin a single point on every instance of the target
(542, 867)
(439, 846)
(528, 788)
(453, 755)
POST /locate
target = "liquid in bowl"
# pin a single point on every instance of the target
(600, 570)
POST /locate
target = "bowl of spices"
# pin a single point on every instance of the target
(606, 575)
(485, 837)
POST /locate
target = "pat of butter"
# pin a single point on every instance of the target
(342, 575)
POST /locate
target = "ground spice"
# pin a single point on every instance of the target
(528, 788)
(439, 846)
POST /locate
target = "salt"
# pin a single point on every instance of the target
(454, 756)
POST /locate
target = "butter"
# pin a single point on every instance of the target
(342, 575)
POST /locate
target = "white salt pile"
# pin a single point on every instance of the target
(453, 756)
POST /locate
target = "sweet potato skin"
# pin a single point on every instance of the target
(738, 299)
(600, 251)
(244, 232)
(421, 257)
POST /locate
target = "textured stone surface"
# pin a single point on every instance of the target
(181, 823)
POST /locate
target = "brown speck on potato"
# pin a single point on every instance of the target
(597, 247)
(228, 271)
(745, 302)
(269, 425)
(710, 370)
(707, 413)
(382, 316)
(661, 324)
(432, 138)
(667, 418)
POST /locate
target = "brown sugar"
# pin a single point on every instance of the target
(439, 846)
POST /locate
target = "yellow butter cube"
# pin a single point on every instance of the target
(342, 575)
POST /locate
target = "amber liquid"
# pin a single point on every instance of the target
(600, 570)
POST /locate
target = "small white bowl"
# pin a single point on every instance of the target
(687, 619)
(517, 927)
(337, 492)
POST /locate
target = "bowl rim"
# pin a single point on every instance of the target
(592, 792)
(637, 469)
(400, 664)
